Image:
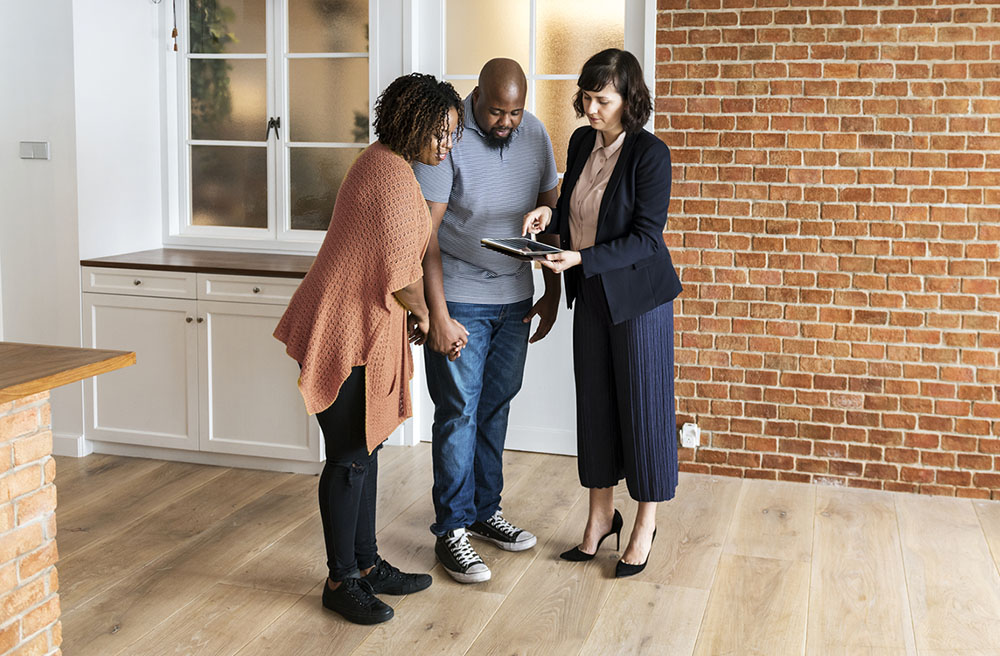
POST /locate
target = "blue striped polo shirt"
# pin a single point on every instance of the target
(488, 192)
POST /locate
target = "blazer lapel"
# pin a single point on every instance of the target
(616, 177)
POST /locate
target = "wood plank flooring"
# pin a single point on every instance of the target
(173, 558)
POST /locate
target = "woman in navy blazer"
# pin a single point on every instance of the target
(610, 218)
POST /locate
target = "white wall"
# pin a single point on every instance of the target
(116, 48)
(39, 248)
(86, 81)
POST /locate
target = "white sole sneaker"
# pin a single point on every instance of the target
(471, 577)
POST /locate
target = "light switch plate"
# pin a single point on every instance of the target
(34, 150)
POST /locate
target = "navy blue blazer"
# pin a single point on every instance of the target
(628, 255)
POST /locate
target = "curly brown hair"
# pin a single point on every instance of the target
(621, 69)
(412, 110)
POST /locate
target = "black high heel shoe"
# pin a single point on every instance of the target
(576, 555)
(623, 569)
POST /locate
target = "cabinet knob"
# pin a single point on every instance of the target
(188, 319)
(136, 282)
(256, 290)
(201, 319)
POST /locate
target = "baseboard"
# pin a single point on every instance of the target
(203, 458)
(71, 445)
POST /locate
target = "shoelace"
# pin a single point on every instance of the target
(387, 571)
(499, 523)
(462, 550)
(360, 591)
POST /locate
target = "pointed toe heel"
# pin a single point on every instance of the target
(623, 569)
(576, 555)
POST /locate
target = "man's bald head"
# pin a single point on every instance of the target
(498, 100)
(502, 76)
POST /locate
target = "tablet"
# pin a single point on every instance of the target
(520, 247)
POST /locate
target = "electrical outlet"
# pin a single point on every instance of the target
(690, 435)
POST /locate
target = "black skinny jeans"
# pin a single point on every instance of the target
(348, 484)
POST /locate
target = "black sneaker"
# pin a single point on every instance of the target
(386, 579)
(355, 600)
(459, 558)
(502, 533)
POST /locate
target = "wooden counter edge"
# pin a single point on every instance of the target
(120, 360)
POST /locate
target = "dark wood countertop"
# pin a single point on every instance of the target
(223, 262)
(27, 369)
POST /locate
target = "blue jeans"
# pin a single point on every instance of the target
(472, 398)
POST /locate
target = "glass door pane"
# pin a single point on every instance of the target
(326, 80)
(229, 186)
(328, 100)
(479, 31)
(227, 26)
(315, 177)
(328, 25)
(228, 86)
(554, 107)
(228, 99)
(568, 33)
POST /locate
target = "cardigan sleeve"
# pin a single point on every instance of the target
(649, 217)
(401, 227)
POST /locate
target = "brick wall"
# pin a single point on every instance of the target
(29, 605)
(836, 222)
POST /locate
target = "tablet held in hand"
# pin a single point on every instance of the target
(520, 247)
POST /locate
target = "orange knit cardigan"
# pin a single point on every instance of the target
(344, 314)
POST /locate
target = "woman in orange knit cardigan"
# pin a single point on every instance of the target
(348, 325)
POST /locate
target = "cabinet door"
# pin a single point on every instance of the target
(250, 402)
(154, 402)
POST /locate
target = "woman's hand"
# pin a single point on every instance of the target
(447, 337)
(559, 262)
(416, 329)
(536, 220)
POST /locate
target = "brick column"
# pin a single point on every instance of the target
(29, 603)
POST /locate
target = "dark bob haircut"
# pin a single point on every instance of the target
(620, 69)
(412, 110)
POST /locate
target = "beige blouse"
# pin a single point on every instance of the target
(585, 203)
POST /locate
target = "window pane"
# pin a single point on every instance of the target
(316, 174)
(463, 87)
(328, 25)
(329, 100)
(227, 26)
(229, 186)
(554, 106)
(568, 33)
(480, 31)
(228, 99)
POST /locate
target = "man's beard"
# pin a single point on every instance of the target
(498, 143)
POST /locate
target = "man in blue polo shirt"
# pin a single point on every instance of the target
(481, 307)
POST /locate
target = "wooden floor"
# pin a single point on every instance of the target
(170, 558)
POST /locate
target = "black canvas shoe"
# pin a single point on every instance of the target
(460, 560)
(355, 600)
(386, 579)
(502, 533)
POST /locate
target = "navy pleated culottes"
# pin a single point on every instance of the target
(625, 409)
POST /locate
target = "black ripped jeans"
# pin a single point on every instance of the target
(348, 484)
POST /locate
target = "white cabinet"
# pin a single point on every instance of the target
(209, 376)
(154, 402)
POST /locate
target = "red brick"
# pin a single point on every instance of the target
(960, 478)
